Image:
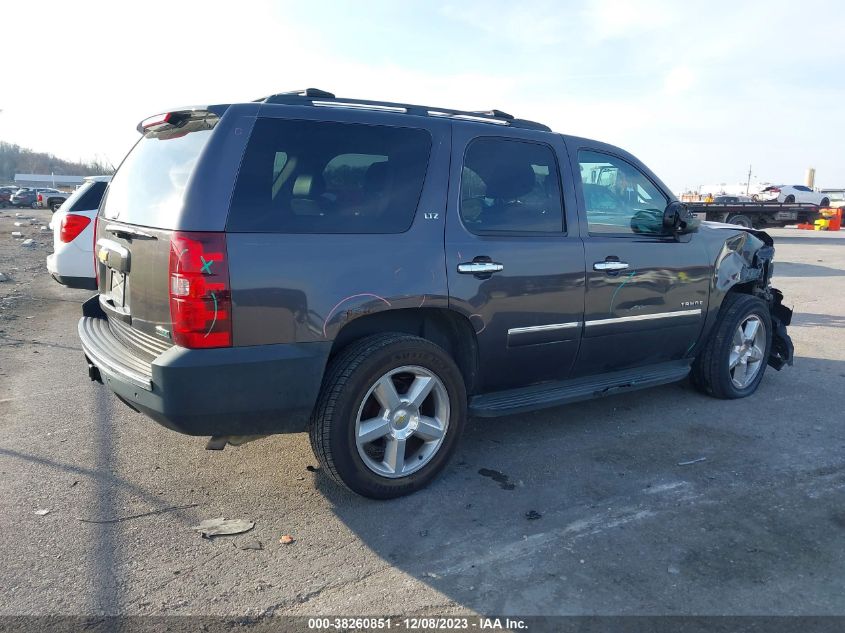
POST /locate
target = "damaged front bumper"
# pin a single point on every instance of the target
(782, 350)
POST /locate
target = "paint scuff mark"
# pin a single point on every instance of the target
(616, 292)
(480, 318)
(344, 300)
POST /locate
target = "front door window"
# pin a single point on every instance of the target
(618, 197)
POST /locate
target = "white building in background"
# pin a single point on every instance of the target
(47, 180)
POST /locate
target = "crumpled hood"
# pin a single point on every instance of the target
(767, 239)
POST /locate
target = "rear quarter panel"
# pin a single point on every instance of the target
(209, 190)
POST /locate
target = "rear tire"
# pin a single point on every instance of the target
(378, 449)
(733, 360)
(825, 202)
(789, 199)
(741, 220)
(34, 205)
(54, 206)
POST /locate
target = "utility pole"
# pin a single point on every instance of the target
(748, 183)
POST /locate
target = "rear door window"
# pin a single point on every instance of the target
(510, 186)
(327, 177)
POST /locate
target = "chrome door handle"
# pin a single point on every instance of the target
(610, 266)
(479, 268)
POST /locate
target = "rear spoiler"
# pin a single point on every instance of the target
(175, 118)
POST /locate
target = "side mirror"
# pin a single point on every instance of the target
(678, 220)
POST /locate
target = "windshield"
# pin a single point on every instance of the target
(148, 187)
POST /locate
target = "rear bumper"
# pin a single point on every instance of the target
(227, 391)
(84, 283)
(69, 280)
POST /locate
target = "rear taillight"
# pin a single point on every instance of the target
(774, 190)
(72, 226)
(200, 297)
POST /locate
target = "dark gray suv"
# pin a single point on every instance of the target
(377, 272)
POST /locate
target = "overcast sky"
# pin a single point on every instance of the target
(697, 90)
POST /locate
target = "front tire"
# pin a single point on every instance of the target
(389, 415)
(34, 205)
(732, 362)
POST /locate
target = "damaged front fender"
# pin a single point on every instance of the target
(744, 259)
(745, 264)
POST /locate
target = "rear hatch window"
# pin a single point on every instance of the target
(138, 219)
(328, 177)
(148, 188)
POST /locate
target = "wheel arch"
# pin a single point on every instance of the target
(446, 328)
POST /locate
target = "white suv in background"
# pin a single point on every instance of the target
(72, 262)
(793, 193)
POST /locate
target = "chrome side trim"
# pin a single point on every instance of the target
(645, 317)
(544, 328)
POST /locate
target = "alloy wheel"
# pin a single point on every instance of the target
(747, 347)
(402, 421)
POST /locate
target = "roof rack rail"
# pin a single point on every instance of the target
(495, 113)
(325, 99)
(307, 92)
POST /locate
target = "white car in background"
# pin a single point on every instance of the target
(72, 262)
(837, 197)
(793, 193)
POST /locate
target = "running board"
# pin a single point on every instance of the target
(552, 394)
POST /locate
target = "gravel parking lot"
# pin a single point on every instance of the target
(658, 502)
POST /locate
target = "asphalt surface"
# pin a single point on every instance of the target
(755, 524)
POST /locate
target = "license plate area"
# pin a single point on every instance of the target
(117, 290)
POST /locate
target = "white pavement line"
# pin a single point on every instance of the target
(654, 490)
(529, 545)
